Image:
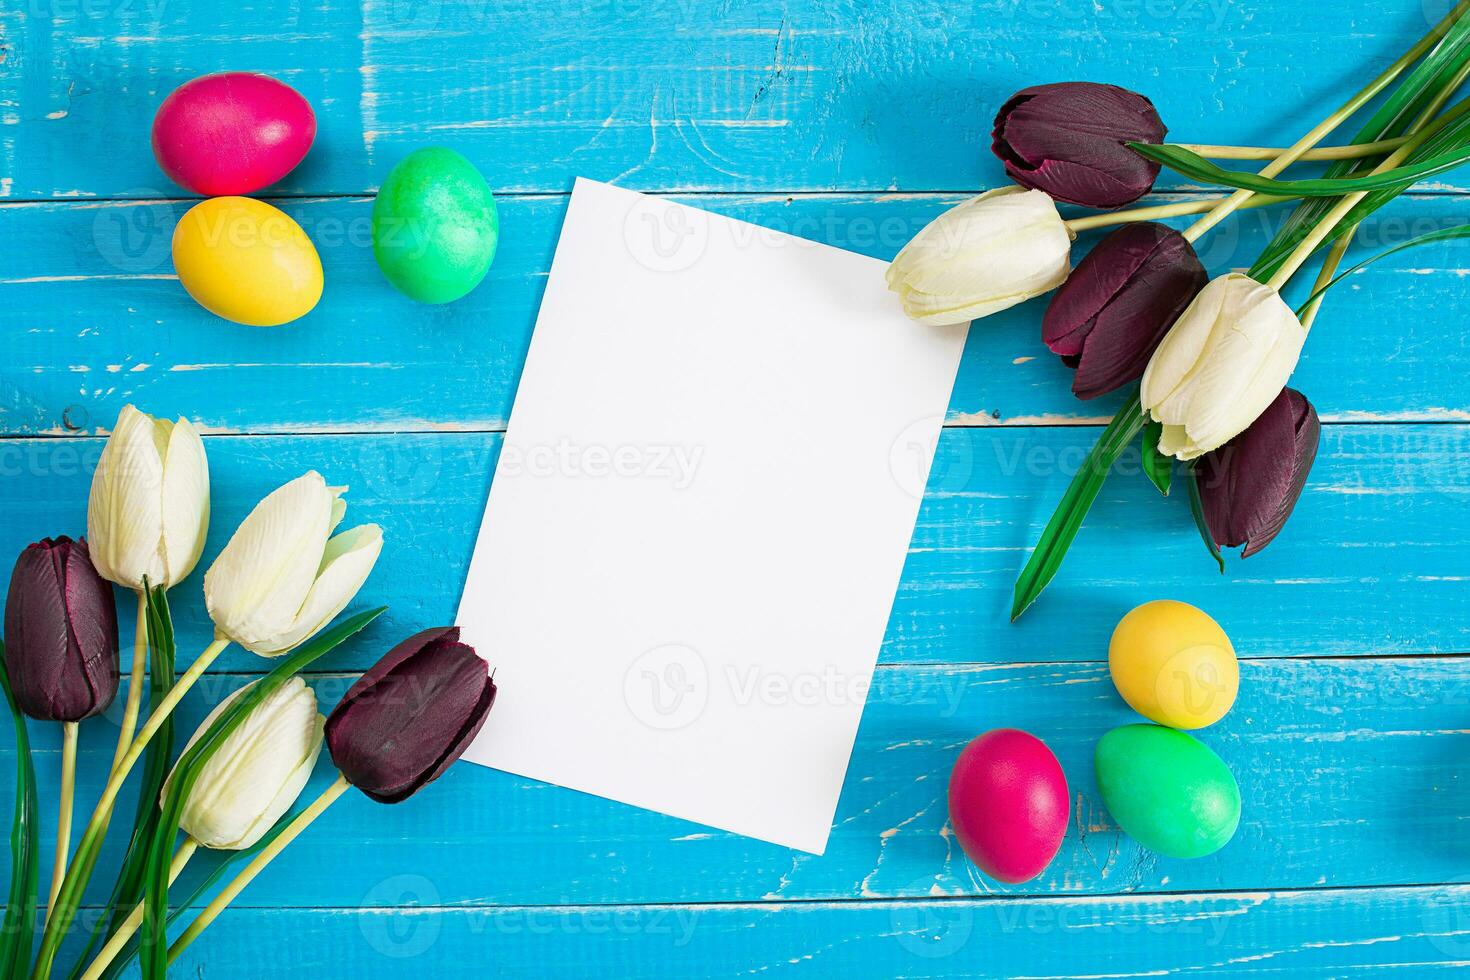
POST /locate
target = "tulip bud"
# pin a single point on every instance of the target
(1249, 486)
(1114, 309)
(985, 255)
(1226, 359)
(60, 633)
(149, 508)
(283, 576)
(1068, 139)
(412, 715)
(258, 770)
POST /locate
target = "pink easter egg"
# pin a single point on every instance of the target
(232, 133)
(1008, 804)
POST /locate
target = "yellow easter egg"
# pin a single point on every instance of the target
(1173, 664)
(246, 261)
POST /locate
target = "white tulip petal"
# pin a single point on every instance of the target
(989, 253)
(257, 585)
(1221, 365)
(258, 771)
(348, 559)
(339, 508)
(1183, 345)
(1174, 441)
(185, 501)
(124, 510)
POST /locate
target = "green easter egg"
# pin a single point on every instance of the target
(435, 226)
(1167, 790)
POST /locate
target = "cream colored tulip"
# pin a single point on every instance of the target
(283, 575)
(988, 254)
(257, 772)
(1221, 365)
(149, 508)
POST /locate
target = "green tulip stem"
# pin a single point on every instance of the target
(1319, 132)
(1159, 211)
(64, 909)
(1329, 269)
(1421, 131)
(135, 681)
(135, 919)
(1353, 151)
(257, 864)
(63, 817)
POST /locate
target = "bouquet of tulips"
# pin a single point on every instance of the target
(1206, 360)
(285, 574)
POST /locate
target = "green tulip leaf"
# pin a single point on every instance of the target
(127, 891)
(154, 939)
(1440, 68)
(1197, 168)
(1156, 466)
(1442, 235)
(1197, 508)
(1062, 529)
(25, 863)
(227, 861)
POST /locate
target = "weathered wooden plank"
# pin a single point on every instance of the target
(1388, 932)
(1383, 513)
(92, 320)
(1351, 773)
(663, 95)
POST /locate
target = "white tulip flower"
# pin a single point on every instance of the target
(988, 254)
(149, 508)
(284, 576)
(257, 772)
(1221, 365)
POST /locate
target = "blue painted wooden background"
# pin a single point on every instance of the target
(850, 122)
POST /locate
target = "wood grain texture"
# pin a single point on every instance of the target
(1382, 516)
(851, 123)
(95, 320)
(1351, 774)
(666, 94)
(1382, 932)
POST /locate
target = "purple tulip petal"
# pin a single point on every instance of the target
(60, 633)
(1249, 486)
(412, 715)
(1115, 308)
(1067, 139)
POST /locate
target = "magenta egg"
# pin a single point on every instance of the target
(1008, 804)
(232, 133)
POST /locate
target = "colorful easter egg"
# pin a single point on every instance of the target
(435, 226)
(246, 261)
(1008, 804)
(1167, 790)
(1173, 664)
(232, 133)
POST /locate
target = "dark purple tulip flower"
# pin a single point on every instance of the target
(1249, 485)
(412, 715)
(60, 633)
(1113, 310)
(1068, 139)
